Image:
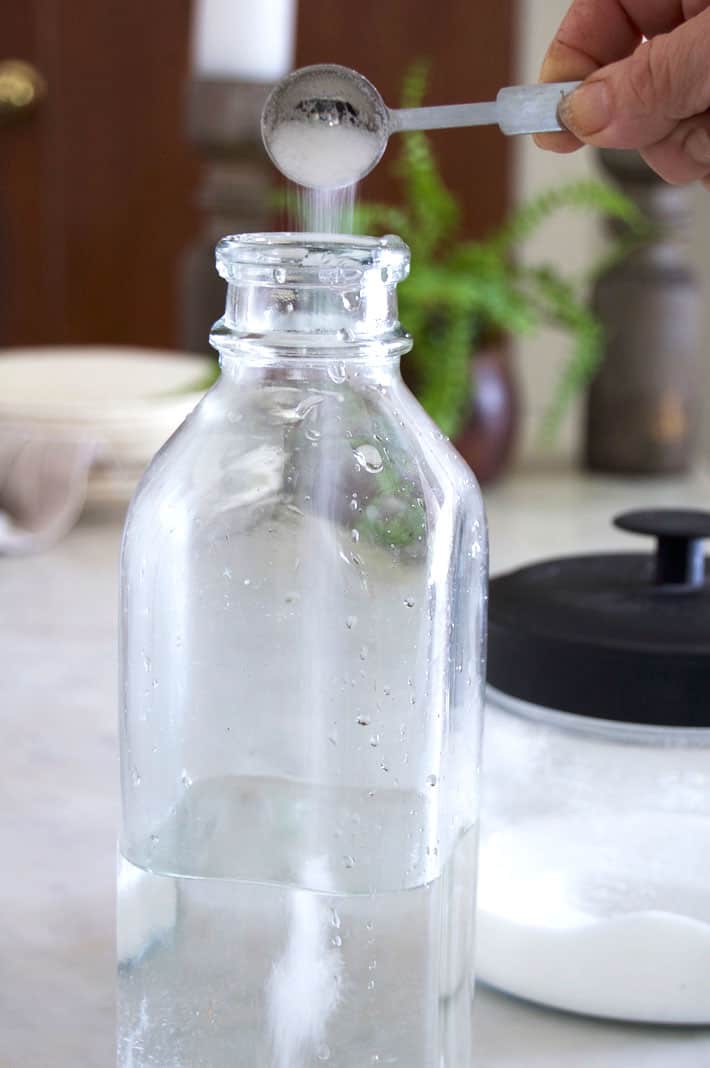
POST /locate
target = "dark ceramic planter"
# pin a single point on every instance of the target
(642, 406)
(487, 441)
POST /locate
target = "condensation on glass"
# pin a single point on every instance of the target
(303, 618)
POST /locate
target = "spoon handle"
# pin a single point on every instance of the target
(518, 109)
(443, 117)
(527, 109)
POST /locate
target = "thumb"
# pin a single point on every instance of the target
(639, 101)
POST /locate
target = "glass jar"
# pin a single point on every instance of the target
(303, 617)
(594, 872)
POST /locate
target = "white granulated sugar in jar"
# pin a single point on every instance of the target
(606, 933)
(323, 156)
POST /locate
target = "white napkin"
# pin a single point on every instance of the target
(43, 482)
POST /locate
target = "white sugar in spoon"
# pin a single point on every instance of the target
(327, 126)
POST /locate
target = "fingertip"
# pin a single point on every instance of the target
(706, 183)
(562, 143)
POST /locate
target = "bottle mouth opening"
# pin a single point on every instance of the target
(317, 260)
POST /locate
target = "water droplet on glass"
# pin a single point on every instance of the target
(135, 777)
(323, 1053)
(350, 622)
(363, 721)
(363, 652)
(337, 372)
(353, 503)
(147, 662)
(306, 407)
(387, 690)
(336, 940)
(375, 741)
(431, 780)
(154, 839)
(384, 767)
(334, 918)
(343, 335)
(291, 598)
(409, 602)
(332, 739)
(369, 457)
(349, 861)
(312, 434)
(247, 582)
(185, 779)
(227, 573)
(371, 965)
(412, 700)
(279, 275)
(355, 535)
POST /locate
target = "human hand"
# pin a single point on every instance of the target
(652, 95)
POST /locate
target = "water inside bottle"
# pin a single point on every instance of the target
(351, 956)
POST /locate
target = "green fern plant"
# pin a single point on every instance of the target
(462, 293)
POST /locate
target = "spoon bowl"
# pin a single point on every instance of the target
(304, 112)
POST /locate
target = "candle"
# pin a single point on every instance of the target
(245, 40)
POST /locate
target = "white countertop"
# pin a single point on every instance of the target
(58, 793)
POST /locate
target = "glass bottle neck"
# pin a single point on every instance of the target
(294, 298)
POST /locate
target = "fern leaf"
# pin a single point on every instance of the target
(415, 83)
(586, 195)
(380, 219)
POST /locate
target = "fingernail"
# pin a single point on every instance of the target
(586, 111)
(697, 145)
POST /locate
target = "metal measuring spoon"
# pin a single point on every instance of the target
(304, 105)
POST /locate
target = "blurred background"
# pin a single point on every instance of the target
(130, 144)
(100, 180)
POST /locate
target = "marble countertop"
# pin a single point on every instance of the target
(58, 792)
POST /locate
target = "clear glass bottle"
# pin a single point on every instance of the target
(303, 618)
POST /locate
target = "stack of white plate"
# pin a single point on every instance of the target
(126, 401)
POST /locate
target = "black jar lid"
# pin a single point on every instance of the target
(617, 636)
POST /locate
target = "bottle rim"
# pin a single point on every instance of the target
(320, 260)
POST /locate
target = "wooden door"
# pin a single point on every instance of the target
(97, 185)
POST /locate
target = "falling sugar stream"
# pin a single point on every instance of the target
(322, 211)
(306, 981)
